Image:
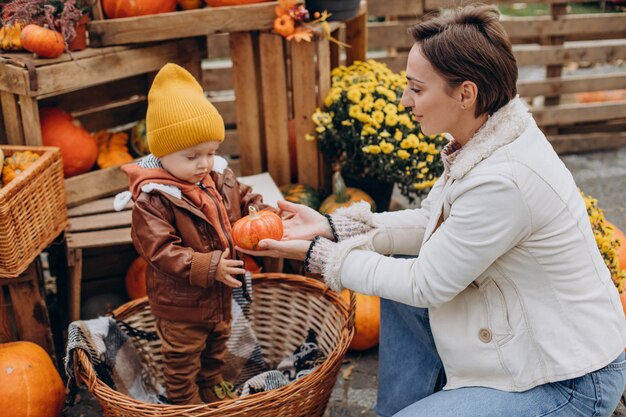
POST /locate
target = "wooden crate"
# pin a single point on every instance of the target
(103, 88)
(554, 41)
(23, 310)
(179, 24)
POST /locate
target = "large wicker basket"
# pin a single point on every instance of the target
(32, 209)
(284, 308)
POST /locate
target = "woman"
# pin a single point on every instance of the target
(524, 316)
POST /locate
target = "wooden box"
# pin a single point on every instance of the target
(103, 88)
(179, 24)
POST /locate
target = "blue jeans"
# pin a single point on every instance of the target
(411, 376)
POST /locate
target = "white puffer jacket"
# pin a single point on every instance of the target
(517, 290)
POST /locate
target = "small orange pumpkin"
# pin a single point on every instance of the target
(42, 41)
(31, 385)
(366, 320)
(129, 8)
(258, 225)
(135, 281)
(17, 163)
(284, 25)
(621, 252)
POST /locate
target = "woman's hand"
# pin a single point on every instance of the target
(290, 249)
(301, 222)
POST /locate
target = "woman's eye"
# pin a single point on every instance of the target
(416, 90)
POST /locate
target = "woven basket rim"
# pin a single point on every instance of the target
(84, 370)
(47, 154)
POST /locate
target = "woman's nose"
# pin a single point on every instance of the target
(405, 100)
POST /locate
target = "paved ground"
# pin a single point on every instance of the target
(601, 174)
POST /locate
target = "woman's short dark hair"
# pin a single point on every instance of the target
(470, 44)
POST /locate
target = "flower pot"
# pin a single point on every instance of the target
(379, 190)
(340, 9)
(80, 40)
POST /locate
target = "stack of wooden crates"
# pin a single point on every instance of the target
(248, 69)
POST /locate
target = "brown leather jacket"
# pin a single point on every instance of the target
(183, 247)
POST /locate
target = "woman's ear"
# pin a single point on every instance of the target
(468, 92)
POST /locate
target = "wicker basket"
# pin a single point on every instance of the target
(284, 308)
(32, 210)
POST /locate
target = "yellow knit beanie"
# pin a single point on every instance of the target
(179, 115)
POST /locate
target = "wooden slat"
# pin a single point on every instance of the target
(567, 25)
(30, 121)
(96, 96)
(30, 310)
(218, 46)
(559, 85)
(60, 76)
(577, 113)
(100, 221)
(102, 238)
(274, 99)
(190, 23)
(7, 326)
(103, 205)
(114, 114)
(227, 108)
(247, 92)
(593, 51)
(394, 34)
(356, 37)
(217, 76)
(94, 185)
(12, 119)
(395, 7)
(575, 143)
(304, 104)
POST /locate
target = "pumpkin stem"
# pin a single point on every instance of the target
(339, 188)
(254, 214)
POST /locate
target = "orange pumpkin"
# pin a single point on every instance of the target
(17, 163)
(367, 320)
(284, 25)
(128, 8)
(218, 3)
(42, 41)
(249, 230)
(31, 385)
(78, 148)
(10, 37)
(135, 281)
(343, 196)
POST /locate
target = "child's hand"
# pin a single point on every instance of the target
(227, 268)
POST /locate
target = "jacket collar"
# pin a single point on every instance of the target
(502, 128)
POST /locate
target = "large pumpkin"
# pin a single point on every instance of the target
(42, 41)
(135, 281)
(302, 194)
(258, 225)
(218, 3)
(17, 163)
(31, 385)
(367, 320)
(129, 8)
(78, 148)
(343, 196)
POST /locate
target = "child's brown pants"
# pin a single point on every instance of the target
(193, 356)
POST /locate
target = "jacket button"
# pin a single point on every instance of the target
(484, 335)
